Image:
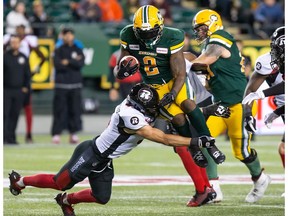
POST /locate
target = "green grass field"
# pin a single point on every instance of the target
(148, 159)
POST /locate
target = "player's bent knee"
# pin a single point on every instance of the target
(102, 198)
(63, 181)
(179, 120)
(252, 157)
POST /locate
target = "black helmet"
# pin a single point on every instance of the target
(145, 99)
(278, 49)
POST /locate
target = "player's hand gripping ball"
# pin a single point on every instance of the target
(129, 65)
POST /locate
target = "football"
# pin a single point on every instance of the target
(124, 61)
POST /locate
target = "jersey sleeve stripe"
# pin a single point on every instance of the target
(222, 40)
(175, 51)
(177, 47)
(123, 43)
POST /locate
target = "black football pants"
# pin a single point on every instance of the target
(66, 110)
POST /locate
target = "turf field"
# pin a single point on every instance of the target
(144, 200)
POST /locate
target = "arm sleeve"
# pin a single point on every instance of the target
(275, 90)
(133, 119)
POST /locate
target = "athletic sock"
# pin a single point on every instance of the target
(80, 197)
(211, 169)
(254, 167)
(192, 169)
(28, 115)
(41, 181)
(198, 121)
(196, 173)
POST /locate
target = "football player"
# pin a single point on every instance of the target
(223, 64)
(159, 52)
(130, 123)
(270, 68)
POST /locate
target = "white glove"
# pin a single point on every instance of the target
(253, 96)
(269, 118)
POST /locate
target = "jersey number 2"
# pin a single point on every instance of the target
(150, 66)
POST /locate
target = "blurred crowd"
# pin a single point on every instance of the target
(23, 25)
(256, 17)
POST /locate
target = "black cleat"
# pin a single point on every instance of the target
(66, 209)
(199, 158)
(216, 154)
(15, 189)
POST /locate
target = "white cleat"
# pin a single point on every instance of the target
(259, 188)
(215, 184)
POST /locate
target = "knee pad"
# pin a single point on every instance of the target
(251, 158)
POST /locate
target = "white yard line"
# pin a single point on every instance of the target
(129, 180)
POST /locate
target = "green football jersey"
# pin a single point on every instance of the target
(155, 61)
(227, 79)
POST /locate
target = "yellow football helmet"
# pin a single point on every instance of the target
(209, 18)
(148, 25)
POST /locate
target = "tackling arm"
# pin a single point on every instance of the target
(211, 54)
(156, 135)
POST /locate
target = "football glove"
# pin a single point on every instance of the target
(126, 71)
(202, 142)
(250, 124)
(253, 96)
(167, 99)
(269, 118)
(216, 110)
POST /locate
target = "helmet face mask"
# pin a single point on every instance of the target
(209, 18)
(201, 33)
(145, 99)
(278, 49)
(148, 25)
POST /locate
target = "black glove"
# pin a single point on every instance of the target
(250, 124)
(167, 99)
(126, 71)
(202, 142)
(216, 110)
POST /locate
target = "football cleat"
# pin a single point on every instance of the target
(199, 158)
(259, 188)
(202, 198)
(216, 186)
(216, 154)
(14, 188)
(66, 209)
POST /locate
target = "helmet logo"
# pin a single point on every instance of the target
(213, 18)
(145, 95)
(281, 41)
(159, 16)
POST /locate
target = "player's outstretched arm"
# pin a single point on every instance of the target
(156, 135)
